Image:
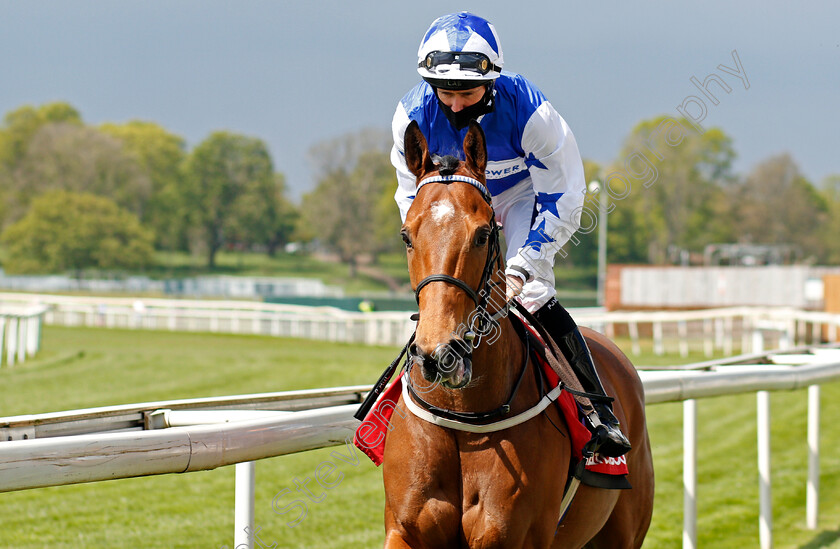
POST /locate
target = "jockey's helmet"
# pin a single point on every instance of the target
(460, 51)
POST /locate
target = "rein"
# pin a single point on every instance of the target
(472, 418)
(472, 422)
(475, 421)
(493, 256)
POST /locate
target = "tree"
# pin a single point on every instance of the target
(6, 195)
(387, 219)
(776, 204)
(347, 210)
(830, 191)
(667, 190)
(221, 170)
(74, 231)
(264, 216)
(583, 249)
(20, 125)
(161, 155)
(81, 159)
(343, 152)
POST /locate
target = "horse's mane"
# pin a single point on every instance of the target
(448, 164)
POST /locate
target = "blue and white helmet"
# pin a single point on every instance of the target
(460, 51)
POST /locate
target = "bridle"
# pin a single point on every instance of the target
(477, 422)
(480, 296)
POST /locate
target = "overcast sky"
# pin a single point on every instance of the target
(296, 73)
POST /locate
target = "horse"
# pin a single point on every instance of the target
(452, 488)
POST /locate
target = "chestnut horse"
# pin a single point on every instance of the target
(451, 488)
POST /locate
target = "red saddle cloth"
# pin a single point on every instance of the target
(370, 435)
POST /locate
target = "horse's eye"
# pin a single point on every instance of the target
(406, 238)
(481, 238)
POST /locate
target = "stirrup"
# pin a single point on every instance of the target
(607, 438)
(602, 443)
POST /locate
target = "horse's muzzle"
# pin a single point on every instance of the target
(449, 364)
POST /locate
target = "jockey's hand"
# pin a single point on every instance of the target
(514, 285)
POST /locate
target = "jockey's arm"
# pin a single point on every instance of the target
(406, 181)
(556, 170)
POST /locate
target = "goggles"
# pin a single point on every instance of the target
(471, 61)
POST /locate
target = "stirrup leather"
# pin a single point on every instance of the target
(607, 438)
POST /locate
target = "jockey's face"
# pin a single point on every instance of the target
(458, 100)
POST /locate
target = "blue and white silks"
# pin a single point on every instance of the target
(534, 172)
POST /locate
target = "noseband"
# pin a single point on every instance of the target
(479, 296)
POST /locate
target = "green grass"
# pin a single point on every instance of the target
(578, 282)
(294, 265)
(297, 265)
(85, 367)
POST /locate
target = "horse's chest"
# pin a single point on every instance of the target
(497, 476)
(502, 502)
(494, 491)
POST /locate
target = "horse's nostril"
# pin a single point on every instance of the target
(459, 347)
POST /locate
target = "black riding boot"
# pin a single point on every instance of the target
(607, 439)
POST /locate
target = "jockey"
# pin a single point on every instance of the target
(534, 174)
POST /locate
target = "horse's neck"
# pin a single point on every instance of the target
(497, 362)
(500, 361)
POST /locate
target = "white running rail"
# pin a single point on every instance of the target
(706, 331)
(137, 440)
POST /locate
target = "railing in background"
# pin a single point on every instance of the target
(237, 317)
(709, 331)
(20, 332)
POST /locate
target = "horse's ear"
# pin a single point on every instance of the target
(417, 156)
(475, 149)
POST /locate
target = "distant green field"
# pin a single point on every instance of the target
(297, 265)
(94, 367)
(576, 285)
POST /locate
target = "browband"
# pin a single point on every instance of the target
(462, 178)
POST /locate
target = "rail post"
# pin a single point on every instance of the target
(243, 523)
(813, 491)
(689, 474)
(765, 517)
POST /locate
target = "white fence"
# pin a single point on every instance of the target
(156, 446)
(705, 331)
(237, 317)
(709, 330)
(20, 333)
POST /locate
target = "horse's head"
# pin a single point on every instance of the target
(452, 247)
